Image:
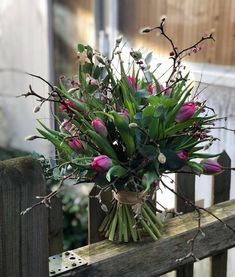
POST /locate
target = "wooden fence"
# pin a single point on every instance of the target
(24, 239)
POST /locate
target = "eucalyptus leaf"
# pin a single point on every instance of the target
(116, 171)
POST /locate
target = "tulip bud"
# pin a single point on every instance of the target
(125, 114)
(152, 89)
(101, 163)
(76, 144)
(99, 127)
(66, 124)
(186, 111)
(132, 81)
(211, 167)
(183, 155)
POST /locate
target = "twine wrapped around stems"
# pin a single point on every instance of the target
(130, 197)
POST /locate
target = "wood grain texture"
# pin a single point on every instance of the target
(187, 22)
(23, 239)
(55, 225)
(149, 258)
(221, 193)
(185, 185)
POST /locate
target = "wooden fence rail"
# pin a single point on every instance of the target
(155, 258)
(24, 239)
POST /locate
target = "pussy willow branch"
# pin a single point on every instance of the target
(198, 209)
(46, 200)
(176, 55)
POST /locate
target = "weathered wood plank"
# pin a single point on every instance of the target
(221, 193)
(23, 239)
(55, 225)
(185, 185)
(149, 258)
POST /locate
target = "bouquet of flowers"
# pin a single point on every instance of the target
(123, 129)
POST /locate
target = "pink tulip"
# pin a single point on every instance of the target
(186, 111)
(125, 114)
(101, 163)
(69, 104)
(132, 81)
(67, 125)
(183, 155)
(99, 127)
(152, 89)
(76, 144)
(211, 167)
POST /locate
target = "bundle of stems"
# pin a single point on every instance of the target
(122, 223)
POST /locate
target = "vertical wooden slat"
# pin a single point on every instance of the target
(185, 185)
(55, 225)
(96, 214)
(23, 239)
(221, 193)
(187, 21)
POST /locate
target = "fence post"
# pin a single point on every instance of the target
(23, 239)
(221, 193)
(185, 185)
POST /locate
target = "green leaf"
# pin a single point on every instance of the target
(81, 48)
(125, 132)
(87, 68)
(204, 156)
(149, 178)
(196, 167)
(148, 151)
(148, 111)
(116, 170)
(103, 144)
(97, 72)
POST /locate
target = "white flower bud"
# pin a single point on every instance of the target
(133, 125)
(161, 158)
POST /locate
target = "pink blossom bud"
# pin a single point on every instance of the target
(101, 163)
(125, 114)
(99, 127)
(186, 111)
(166, 91)
(132, 81)
(67, 125)
(211, 167)
(152, 89)
(76, 144)
(183, 155)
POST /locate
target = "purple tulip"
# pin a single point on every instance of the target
(76, 144)
(99, 127)
(101, 163)
(211, 167)
(186, 111)
(183, 155)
